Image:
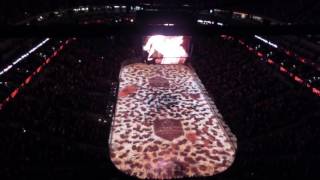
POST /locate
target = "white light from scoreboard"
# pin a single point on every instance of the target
(166, 49)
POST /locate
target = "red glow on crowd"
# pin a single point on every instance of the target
(298, 79)
(270, 61)
(316, 91)
(14, 93)
(259, 54)
(282, 69)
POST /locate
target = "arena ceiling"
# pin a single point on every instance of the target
(283, 10)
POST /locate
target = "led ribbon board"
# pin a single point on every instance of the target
(24, 56)
(166, 126)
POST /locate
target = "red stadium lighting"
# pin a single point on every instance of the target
(14, 93)
(298, 79)
(316, 91)
(39, 69)
(282, 69)
(27, 81)
(270, 61)
(259, 54)
(301, 59)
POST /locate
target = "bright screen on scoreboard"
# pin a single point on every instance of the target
(162, 49)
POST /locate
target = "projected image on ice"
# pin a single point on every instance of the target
(166, 49)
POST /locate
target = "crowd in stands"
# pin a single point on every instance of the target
(288, 61)
(274, 118)
(58, 126)
(18, 64)
(62, 118)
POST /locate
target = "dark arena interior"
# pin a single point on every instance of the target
(158, 89)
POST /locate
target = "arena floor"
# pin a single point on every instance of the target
(166, 125)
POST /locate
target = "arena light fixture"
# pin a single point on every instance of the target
(219, 24)
(266, 41)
